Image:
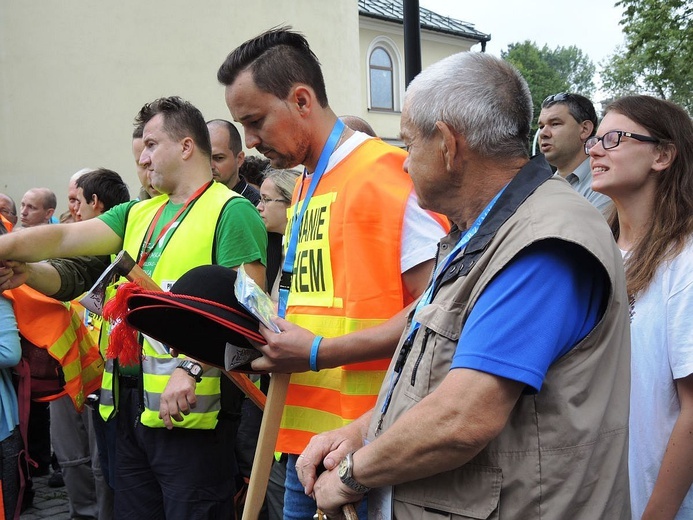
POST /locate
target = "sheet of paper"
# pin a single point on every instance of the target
(255, 300)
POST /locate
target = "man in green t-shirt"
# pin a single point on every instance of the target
(174, 443)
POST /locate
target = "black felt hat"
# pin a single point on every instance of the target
(199, 317)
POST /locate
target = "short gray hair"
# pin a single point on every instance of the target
(482, 97)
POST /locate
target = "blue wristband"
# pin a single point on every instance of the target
(314, 353)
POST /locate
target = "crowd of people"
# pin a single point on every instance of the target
(470, 331)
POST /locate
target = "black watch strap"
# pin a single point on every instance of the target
(193, 369)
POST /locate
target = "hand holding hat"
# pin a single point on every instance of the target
(199, 317)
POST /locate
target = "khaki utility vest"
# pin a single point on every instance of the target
(564, 450)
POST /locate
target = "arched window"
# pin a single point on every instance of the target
(381, 75)
(384, 66)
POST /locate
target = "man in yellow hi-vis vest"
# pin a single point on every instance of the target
(174, 443)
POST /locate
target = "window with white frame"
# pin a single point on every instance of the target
(384, 65)
(382, 91)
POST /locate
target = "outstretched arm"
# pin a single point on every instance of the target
(86, 238)
(38, 275)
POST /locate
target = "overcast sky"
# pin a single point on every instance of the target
(591, 25)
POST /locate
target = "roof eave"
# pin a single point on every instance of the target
(479, 37)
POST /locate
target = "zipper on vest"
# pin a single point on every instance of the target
(140, 392)
(115, 388)
(427, 332)
(399, 365)
(435, 260)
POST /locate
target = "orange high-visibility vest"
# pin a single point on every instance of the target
(346, 277)
(8, 225)
(56, 327)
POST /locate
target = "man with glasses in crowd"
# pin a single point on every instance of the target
(8, 209)
(566, 121)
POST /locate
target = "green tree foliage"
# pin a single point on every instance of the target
(571, 63)
(550, 71)
(658, 51)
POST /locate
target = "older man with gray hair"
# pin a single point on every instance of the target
(508, 394)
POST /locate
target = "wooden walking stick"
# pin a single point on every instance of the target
(264, 454)
(348, 510)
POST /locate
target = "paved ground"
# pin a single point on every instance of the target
(48, 502)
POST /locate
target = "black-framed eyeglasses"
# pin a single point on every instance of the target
(556, 98)
(613, 138)
(265, 200)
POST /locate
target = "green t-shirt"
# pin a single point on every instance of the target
(240, 238)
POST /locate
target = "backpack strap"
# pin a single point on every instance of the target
(24, 405)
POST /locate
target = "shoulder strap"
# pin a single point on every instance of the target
(24, 405)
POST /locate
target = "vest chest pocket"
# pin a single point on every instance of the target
(433, 349)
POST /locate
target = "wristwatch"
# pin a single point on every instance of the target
(193, 369)
(345, 471)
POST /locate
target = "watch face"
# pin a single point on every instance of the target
(193, 369)
(343, 469)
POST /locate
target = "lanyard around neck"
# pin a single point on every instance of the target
(426, 298)
(290, 257)
(427, 295)
(148, 245)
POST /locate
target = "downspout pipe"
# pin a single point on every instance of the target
(412, 40)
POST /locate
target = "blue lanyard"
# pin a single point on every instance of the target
(427, 296)
(288, 267)
(461, 244)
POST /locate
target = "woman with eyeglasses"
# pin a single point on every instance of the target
(642, 157)
(275, 198)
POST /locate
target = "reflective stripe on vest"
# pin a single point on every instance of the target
(156, 372)
(347, 277)
(56, 327)
(106, 401)
(190, 245)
